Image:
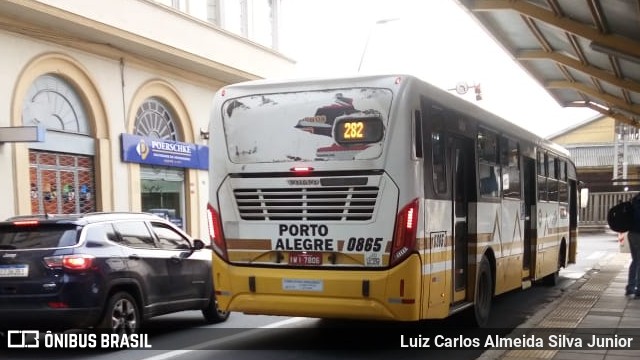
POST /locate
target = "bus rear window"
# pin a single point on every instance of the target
(340, 124)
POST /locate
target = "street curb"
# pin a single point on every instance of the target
(535, 319)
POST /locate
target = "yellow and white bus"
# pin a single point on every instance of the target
(379, 197)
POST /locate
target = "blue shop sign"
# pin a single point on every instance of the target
(151, 151)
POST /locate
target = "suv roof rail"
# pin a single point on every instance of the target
(42, 216)
(48, 216)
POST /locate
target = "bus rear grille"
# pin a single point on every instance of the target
(354, 203)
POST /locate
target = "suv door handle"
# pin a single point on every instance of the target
(134, 257)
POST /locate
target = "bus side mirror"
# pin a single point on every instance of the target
(584, 197)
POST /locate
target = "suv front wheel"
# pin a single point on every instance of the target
(121, 315)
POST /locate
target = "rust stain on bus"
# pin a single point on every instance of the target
(248, 244)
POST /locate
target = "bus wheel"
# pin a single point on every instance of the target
(483, 294)
(552, 279)
(212, 312)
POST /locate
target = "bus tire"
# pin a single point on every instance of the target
(552, 279)
(483, 294)
(212, 313)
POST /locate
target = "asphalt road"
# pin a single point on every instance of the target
(186, 336)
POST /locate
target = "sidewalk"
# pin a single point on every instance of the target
(595, 304)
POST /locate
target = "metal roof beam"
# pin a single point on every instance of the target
(614, 100)
(607, 112)
(575, 64)
(612, 41)
(598, 16)
(533, 27)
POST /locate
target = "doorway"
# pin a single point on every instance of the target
(162, 192)
(529, 184)
(463, 192)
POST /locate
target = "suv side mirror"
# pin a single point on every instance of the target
(198, 244)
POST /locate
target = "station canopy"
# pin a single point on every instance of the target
(586, 53)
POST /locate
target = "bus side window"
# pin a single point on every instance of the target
(488, 164)
(542, 176)
(552, 182)
(417, 134)
(438, 147)
(563, 191)
(489, 185)
(510, 168)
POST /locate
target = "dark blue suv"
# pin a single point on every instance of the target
(107, 271)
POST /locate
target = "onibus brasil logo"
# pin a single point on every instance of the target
(34, 339)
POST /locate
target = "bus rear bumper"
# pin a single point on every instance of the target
(320, 307)
(391, 294)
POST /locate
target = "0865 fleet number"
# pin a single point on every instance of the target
(364, 244)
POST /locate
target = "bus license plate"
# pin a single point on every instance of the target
(305, 258)
(14, 270)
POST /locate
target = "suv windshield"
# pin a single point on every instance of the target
(338, 124)
(42, 236)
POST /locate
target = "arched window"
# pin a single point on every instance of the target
(61, 169)
(155, 120)
(53, 103)
(162, 187)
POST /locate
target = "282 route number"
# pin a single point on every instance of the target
(364, 244)
(354, 130)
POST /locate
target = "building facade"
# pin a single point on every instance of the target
(606, 153)
(119, 96)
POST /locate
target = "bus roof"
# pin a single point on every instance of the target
(439, 95)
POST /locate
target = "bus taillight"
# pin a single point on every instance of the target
(404, 236)
(216, 236)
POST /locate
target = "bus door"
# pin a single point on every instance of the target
(573, 221)
(529, 183)
(463, 165)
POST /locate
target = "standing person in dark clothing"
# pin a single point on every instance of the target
(633, 281)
